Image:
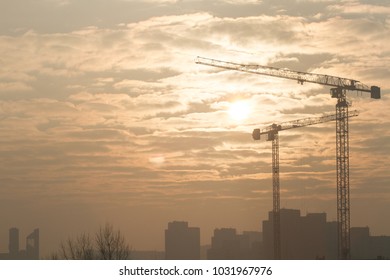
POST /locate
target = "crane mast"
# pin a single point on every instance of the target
(272, 133)
(340, 86)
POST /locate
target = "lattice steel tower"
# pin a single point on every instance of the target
(272, 132)
(341, 86)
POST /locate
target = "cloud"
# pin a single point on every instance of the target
(119, 116)
(158, 88)
(59, 2)
(14, 86)
(362, 9)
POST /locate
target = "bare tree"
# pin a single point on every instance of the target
(108, 244)
(80, 248)
(111, 245)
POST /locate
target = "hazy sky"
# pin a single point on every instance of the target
(105, 117)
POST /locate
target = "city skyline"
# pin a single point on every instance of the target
(15, 251)
(106, 117)
(308, 236)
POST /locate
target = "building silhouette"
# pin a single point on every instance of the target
(312, 237)
(14, 253)
(13, 245)
(32, 245)
(367, 247)
(226, 244)
(302, 237)
(182, 242)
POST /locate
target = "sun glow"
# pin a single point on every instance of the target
(157, 159)
(239, 110)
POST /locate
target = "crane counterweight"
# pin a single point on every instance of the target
(375, 92)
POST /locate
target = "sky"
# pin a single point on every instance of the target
(106, 117)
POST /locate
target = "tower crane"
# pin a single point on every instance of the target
(272, 132)
(339, 89)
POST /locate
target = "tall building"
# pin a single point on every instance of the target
(312, 237)
(226, 244)
(302, 237)
(13, 245)
(182, 242)
(367, 247)
(32, 245)
(14, 253)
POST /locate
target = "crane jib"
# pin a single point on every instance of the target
(301, 77)
(275, 128)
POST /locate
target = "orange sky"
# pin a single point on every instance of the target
(105, 117)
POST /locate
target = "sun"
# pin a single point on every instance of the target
(239, 110)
